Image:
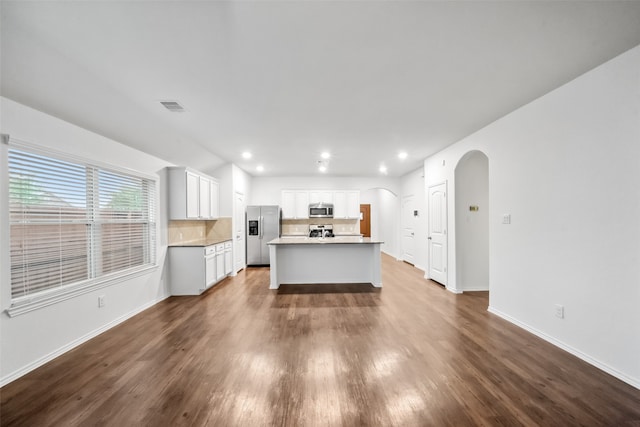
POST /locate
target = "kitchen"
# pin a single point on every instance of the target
(325, 253)
(328, 90)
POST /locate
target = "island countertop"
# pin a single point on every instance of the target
(303, 240)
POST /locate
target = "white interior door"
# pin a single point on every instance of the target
(438, 233)
(408, 229)
(239, 249)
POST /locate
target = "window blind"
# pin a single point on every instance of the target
(73, 223)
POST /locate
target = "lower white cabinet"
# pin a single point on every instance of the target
(220, 261)
(228, 258)
(210, 266)
(194, 269)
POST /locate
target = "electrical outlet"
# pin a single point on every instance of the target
(101, 301)
(506, 219)
(559, 311)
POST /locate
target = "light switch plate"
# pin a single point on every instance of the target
(506, 219)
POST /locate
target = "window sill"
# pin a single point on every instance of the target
(38, 302)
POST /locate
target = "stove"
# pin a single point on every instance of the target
(320, 231)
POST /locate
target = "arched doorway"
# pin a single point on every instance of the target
(472, 222)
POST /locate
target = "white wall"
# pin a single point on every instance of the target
(31, 339)
(472, 227)
(567, 169)
(412, 184)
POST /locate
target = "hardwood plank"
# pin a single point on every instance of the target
(410, 353)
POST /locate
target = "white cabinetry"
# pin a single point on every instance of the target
(214, 196)
(219, 261)
(353, 204)
(192, 195)
(295, 204)
(194, 269)
(346, 204)
(205, 198)
(210, 265)
(320, 196)
(228, 258)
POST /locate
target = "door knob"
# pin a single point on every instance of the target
(429, 238)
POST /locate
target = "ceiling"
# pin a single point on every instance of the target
(289, 79)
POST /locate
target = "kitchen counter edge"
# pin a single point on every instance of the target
(324, 241)
(199, 243)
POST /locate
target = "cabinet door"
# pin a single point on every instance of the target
(210, 270)
(302, 204)
(193, 195)
(219, 265)
(205, 198)
(320, 196)
(353, 204)
(340, 204)
(228, 261)
(288, 199)
(214, 195)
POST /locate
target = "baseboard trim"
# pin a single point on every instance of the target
(476, 289)
(590, 360)
(75, 343)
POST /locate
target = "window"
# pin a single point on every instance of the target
(74, 225)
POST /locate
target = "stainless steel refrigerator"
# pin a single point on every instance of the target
(263, 225)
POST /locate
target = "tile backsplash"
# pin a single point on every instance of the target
(301, 226)
(190, 231)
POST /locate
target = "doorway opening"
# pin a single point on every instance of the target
(472, 222)
(437, 236)
(365, 220)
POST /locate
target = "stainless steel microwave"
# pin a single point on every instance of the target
(320, 210)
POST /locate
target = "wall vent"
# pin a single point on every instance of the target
(173, 106)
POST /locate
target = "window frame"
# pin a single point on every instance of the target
(64, 292)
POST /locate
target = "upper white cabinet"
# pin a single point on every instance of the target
(205, 197)
(189, 193)
(192, 195)
(214, 196)
(320, 196)
(353, 204)
(295, 204)
(346, 204)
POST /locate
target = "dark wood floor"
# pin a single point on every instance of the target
(243, 355)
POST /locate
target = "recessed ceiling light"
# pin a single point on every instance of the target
(246, 155)
(260, 168)
(383, 169)
(325, 155)
(402, 155)
(322, 168)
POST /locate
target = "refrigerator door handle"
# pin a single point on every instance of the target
(261, 226)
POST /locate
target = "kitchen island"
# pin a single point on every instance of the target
(306, 260)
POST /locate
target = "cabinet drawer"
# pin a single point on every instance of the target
(228, 245)
(210, 250)
(220, 247)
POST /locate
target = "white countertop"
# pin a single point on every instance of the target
(303, 240)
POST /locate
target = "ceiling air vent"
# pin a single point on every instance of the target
(173, 106)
